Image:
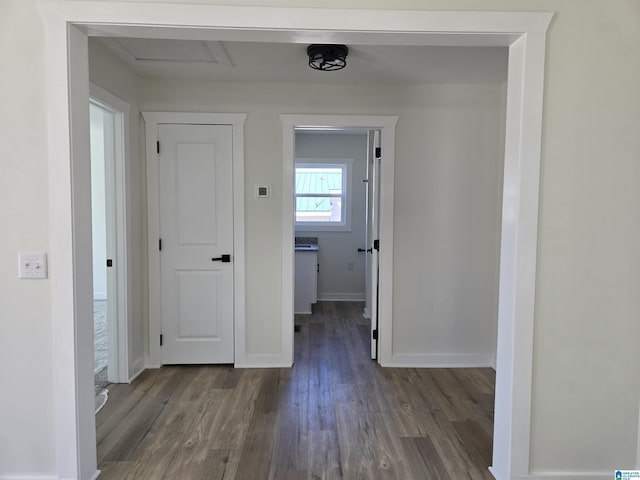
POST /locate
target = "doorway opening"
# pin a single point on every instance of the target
(375, 216)
(335, 194)
(101, 122)
(67, 133)
(109, 267)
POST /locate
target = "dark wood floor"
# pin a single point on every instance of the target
(335, 415)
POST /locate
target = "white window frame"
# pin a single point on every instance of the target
(347, 186)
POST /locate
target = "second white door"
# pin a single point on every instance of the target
(196, 242)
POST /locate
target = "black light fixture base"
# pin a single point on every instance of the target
(327, 58)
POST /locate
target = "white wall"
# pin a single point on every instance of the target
(98, 203)
(111, 74)
(463, 127)
(586, 384)
(342, 273)
(587, 304)
(27, 436)
(447, 222)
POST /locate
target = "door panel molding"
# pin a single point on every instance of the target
(236, 121)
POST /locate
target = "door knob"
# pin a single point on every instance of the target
(226, 258)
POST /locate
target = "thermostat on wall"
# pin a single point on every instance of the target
(263, 191)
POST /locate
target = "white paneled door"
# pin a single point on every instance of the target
(196, 232)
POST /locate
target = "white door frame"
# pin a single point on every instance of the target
(152, 121)
(368, 234)
(66, 24)
(374, 228)
(118, 324)
(387, 126)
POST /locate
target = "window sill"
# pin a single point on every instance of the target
(321, 228)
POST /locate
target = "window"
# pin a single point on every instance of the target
(322, 195)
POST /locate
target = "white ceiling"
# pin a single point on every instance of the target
(233, 61)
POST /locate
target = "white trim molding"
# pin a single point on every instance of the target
(236, 121)
(262, 361)
(408, 360)
(67, 25)
(138, 368)
(3, 477)
(95, 475)
(518, 254)
(638, 442)
(568, 476)
(341, 297)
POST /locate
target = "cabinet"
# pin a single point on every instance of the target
(306, 280)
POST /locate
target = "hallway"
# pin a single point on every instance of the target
(336, 414)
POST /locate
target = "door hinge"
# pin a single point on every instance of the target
(376, 245)
(109, 262)
(317, 268)
(374, 334)
(158, 147)
(378, 152)
(160, 244)
(161, 340)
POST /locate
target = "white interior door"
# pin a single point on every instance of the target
(373, 239)
(196, 232)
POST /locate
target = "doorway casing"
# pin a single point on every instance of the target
(67, 24)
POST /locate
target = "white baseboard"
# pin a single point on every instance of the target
(249, 361)
(27, 477)
(262, 361)
(638, 442)
(341, 297)
(558, 476)
(148, 364)
(567, 476)
(138, 368)
(43, 477)
(408, 360)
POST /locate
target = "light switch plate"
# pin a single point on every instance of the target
(32, 265)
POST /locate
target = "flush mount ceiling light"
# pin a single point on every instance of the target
(327, 58)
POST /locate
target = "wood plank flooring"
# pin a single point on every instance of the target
(335, 415)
